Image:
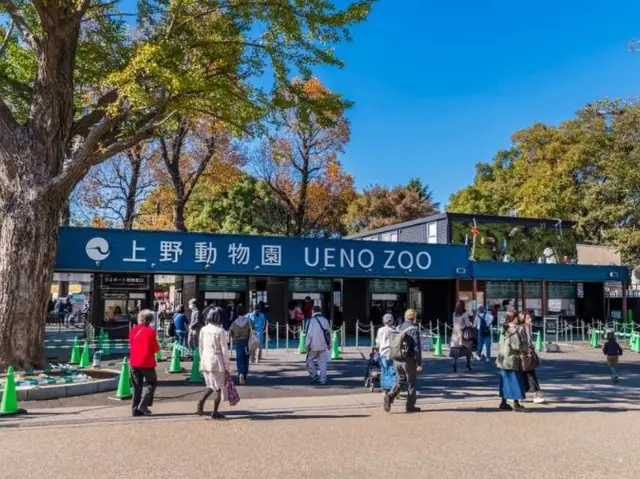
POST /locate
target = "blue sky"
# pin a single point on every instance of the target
(440, 86)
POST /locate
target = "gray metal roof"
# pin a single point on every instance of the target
(441, 216)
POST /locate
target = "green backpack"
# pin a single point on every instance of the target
(399, 344)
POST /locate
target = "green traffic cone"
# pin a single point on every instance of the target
(438, 349)
(500, 337)
(124, 382)
(75, 352)
(159, 355)
(302, 348)
(335, 345)
(539, 342)
(100, 344)
(175, 367)
(196, 376)
(85, 360)
(594, 339)
(9, 404)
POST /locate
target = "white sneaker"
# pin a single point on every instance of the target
(539, 400)
(488, 360)
(478, 358)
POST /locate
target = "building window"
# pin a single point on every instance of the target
(432, 232)
(390, 236)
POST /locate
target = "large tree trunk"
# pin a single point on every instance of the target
(28, 245)
(130, 201)
(178, 215)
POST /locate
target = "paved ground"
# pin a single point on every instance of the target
(283, 374)
(283, 428)
(339, 436)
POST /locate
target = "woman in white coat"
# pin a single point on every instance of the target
(214, 361)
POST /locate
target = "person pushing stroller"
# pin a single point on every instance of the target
(387, 368)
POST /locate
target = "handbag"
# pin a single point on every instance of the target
(231, 393)
(469, 334)
(530, 360)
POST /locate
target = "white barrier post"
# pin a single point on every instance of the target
(373, 332)
(357, 331)
(277, 335)
(286, 341)
(266, 339)
(343, 337)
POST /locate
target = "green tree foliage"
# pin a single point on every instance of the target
(247, 207)
(379, 206)
(583, 170)
(78, 86)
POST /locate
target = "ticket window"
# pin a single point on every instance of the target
(416, 300)
(383, 303)
(123, 307)
(222, 297)
(258, 298)
(322, 300)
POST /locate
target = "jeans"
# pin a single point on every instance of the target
(407, 374)
(242, 358)
(258, 352)
(142, 399)
(484, 342)
(182, 338)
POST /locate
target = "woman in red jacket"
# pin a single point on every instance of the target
(144, 345)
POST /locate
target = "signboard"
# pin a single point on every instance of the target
(124, 281)
(310, 285)
(550, 329)
(219, 295)
(555, 305)
(388, 286)
(500, 289)
(562, 290)
(91, 249)
(580, 290)
(222, 283)
(384, 297)
(533, 289)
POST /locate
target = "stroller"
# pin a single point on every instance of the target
(372, 374)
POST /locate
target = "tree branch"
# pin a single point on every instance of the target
(20, 22)
(84, 124)
(74, 20)
(7, 37)
(195, 176)
(88, 156)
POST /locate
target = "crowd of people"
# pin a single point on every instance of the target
(397, 347)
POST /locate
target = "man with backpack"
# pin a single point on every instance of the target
(482, 323)
(405, 350)
(318, 344)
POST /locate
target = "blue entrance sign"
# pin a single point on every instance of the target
(89, 249)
